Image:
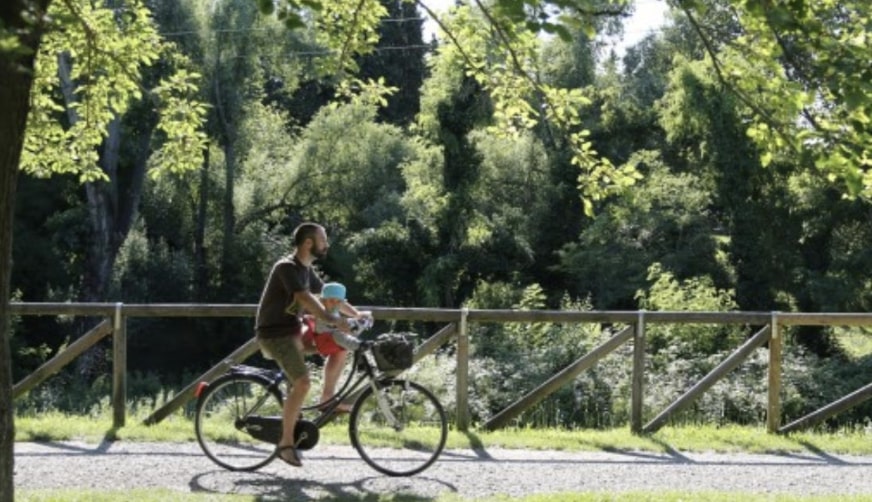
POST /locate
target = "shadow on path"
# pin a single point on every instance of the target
(268, 486)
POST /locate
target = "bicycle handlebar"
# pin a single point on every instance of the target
(360, 324)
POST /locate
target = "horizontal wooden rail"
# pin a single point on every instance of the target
(825, 319)
(453, 315)
(445, 315)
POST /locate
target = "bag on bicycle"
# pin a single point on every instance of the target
(393, 352)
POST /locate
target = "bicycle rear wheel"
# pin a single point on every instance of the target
(238, 422)
(407, 439)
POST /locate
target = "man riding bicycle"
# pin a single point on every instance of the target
(289, 292)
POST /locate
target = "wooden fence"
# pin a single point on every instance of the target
(456, 329)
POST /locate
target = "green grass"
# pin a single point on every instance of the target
(684, 438)
(60, 427)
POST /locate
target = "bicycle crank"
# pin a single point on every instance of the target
(306, 435)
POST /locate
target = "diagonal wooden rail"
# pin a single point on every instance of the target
(557, 381)
(839, 405)
(63, 358)
(729, 364)
(180, 399)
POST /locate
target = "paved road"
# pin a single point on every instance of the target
(331, 471)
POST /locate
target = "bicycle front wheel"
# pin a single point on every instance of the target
(238, 422)
(399, 430)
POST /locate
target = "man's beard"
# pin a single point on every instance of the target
(319, 253)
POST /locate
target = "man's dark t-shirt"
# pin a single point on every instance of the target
(277, 313)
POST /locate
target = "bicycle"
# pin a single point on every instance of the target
(239, 415)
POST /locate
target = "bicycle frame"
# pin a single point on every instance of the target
(354, 387)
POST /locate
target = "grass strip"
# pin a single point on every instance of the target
(54, 426)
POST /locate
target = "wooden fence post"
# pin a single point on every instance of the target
(637, 397)
(773, 416)
(463, 372)
(119, 368)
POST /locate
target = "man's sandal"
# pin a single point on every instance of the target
(294, 459)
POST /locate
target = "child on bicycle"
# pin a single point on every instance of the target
(323, 337)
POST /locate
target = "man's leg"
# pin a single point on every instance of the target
(300, 383)
(290, 412)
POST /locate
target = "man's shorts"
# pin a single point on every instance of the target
(284, 350)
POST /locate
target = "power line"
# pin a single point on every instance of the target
(252, 30)
(319, 53)
(416, 47)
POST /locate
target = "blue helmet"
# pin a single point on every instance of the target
(333, 290)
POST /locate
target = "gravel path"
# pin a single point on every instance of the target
(332, 471)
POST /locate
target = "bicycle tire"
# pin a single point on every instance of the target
(423, 428)
(221, 427)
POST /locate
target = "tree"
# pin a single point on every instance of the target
(40, 43)
(497, 46)
(705, 130)
(238, 51)
(399, 59)
(21, 33)
(76, 138)
(799, 69)
(781, 223)
(452, 107)
(666, 220)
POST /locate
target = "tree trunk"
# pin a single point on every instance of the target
(200, 266)
(16, 78)
(112, 207)
(228, 135)
(11, 94)
(228, 264)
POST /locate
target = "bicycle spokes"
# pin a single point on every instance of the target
(238, 417)
(399, 429)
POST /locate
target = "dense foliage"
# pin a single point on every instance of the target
(706, 169)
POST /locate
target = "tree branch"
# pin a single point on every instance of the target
(775, 125)
(448, 33)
